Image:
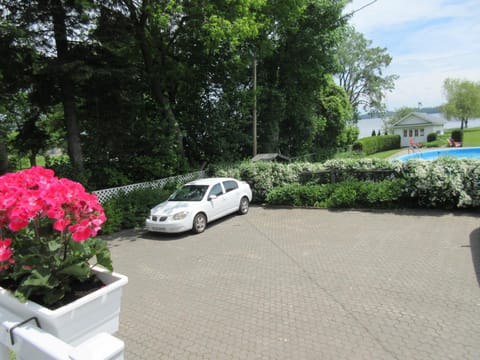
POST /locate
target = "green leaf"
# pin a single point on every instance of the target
(80, 271)
(54, 245)
(38, 279)
(53, 296)
(104, 259)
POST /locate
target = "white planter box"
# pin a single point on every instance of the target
(74, 323)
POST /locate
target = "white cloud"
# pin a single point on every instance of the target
(429, 42)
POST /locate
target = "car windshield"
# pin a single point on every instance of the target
(189, 193)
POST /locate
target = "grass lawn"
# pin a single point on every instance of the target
(384, 154)
(471, 137)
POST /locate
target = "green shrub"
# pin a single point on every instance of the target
(457, 135)
(126, 211)
(298, 195)
(444, 183)
(265, 175)
(114, 214)
(345, 194)
(432, 137)
(374, 144)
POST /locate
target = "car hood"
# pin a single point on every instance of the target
(172, 207)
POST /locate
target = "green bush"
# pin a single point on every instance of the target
(298, 195)
(265, 175)
(114, 213)
(129, 210)
(457, 135)
(374, 144)
(432, 137)
(345, 194)
(444, 183)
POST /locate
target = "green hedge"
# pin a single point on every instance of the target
(374, 144)
(126, 211)
(445, 183)
(345, 194)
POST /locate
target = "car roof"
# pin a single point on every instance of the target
(209, 181)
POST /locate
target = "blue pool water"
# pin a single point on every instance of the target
(462, 153)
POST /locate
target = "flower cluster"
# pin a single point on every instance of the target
(46, 229)
(34, 193)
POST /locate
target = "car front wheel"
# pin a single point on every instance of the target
(199, 223)
(243, 207)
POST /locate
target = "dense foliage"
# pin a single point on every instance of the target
(463, 100)
(139, 90)
(361, 72)
(443, 183)
(374, 144)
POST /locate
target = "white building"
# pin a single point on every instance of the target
(417, 126)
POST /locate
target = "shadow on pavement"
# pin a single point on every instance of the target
(475, 249)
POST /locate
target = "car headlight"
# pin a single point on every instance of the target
(180, 215)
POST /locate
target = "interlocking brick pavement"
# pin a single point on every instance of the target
(305, 284)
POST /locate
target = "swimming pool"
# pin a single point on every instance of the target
(461, 153)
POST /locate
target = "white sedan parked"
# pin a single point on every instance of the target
(198, 202)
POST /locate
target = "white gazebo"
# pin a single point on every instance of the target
(417, 126)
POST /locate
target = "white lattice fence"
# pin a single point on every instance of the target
(107, 194)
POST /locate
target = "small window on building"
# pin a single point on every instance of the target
(422, 132)
(404, 132)
(416, 132)
(410, 132)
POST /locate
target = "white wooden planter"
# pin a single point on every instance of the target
(78, 321)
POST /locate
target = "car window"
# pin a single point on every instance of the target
(189, 193)
(216, 190)
(230, 185)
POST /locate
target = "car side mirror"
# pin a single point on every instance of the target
(212, 197)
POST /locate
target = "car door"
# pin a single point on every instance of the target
(232, 196)
(216, 201)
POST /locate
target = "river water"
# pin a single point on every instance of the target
(367, 125)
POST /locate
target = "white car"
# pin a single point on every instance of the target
(199, 202)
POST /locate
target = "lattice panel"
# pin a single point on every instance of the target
(107, 194)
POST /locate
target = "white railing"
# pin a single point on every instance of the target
(107, 194)
(28, 341)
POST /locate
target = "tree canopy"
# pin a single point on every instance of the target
(463, 100)
(137, 90)
(361, 72)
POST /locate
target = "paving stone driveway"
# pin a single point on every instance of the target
(305, 284)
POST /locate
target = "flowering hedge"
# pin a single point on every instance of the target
(443, 183)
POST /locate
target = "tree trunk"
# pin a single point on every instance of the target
(3, 158)
(66, 84)
(156, 85)
(33, 160)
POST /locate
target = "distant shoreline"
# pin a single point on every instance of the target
(366, 126)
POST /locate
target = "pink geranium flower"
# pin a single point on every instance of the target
(5, 251)
(32, 195)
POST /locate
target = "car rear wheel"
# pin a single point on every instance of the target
(199, 223)
(243, 207)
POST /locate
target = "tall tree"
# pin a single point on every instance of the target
(463, 100)
(53, 27)
(293, 75)
(361, 72)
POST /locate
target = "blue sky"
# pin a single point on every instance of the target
(429, 40)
